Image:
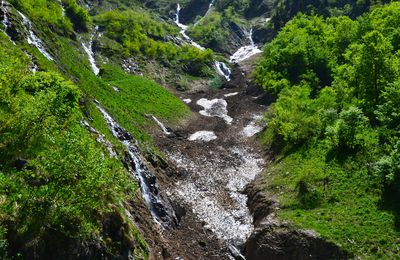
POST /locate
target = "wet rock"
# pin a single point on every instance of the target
(193, 9)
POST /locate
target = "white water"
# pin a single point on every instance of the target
(223, 70)
(220, 67)
(6, 22)
(205, 136)
(143, 175)
(162, 126)
(88, 48)
(247, 51)
(215, 108)
(184, 29)
(32, 38)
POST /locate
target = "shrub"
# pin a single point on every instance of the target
(352, 131)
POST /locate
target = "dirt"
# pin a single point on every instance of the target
(207, 185)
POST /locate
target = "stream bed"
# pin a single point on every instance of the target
(219, 155)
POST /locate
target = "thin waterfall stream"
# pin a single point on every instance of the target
(88, 48)
(6, 21)
(160, 209)
(221, 68)
(247, 51)
(32, 38)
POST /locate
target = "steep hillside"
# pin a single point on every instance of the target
(335, 128)
(154, 129)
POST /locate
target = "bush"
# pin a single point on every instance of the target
(297, 117)
(78, 15)
(352, 131)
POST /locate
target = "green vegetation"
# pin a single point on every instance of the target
(137, 33)
(55, 179)
(78, 15)
(335, 126)
(48, 13)
(59, 188)
(215, 29)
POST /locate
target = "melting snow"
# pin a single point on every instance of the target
(205, 136)
(254, 127)
(187, 100)
(215, 108)
(214, 177)
(231, 94)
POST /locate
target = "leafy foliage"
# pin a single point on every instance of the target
(140, 34)
(336, 115)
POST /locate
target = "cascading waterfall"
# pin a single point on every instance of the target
(246, 52)
(6, 22)
(160, 210)
(88, 48)
(184, 28)
(220, 67)
(223, 70)
(32, 38)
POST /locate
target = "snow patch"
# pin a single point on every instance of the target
(215, 108)
(187, 100)
(205, 136)
(254, 127)
(231, 94)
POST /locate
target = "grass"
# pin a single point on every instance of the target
(137, 98)
(342, 200)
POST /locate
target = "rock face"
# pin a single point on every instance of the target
(194, 9)
(273, 239)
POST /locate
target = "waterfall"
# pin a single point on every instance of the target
(221, 68)
(88, 48)
(32, 38)
(184, 29)
(6, 22)
(162, 126)
(247, 51)
(161, 212)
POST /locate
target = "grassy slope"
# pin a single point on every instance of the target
(337, 192)
(350, 210)
(138, 97)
